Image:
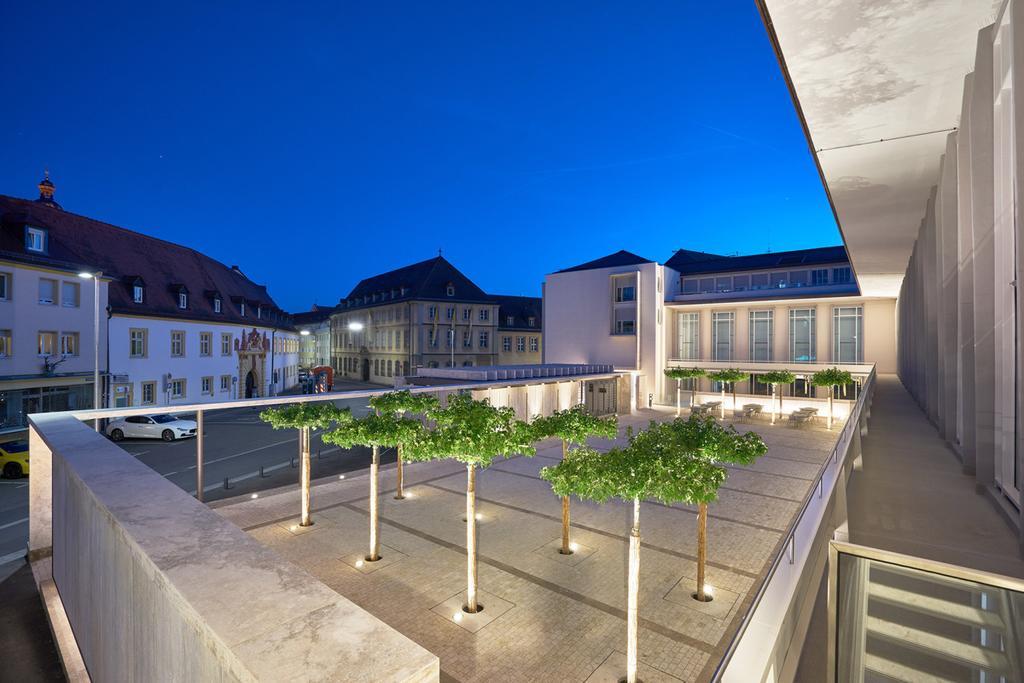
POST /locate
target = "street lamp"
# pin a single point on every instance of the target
(95, 277)
(355, 326)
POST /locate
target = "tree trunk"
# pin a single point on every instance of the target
(566, 550)
(633, 595)
(471, 605)
(679, 396)
(830, 407)
(734, 397)
(721, 408)
(400, 487)
(374, 503)
(304, 476)
(693, 391)
(702, 548)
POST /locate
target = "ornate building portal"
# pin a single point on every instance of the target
(252, 351)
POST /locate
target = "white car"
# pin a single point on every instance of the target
(166, 427)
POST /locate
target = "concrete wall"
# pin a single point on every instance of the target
(158, 587)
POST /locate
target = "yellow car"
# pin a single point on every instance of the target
(14, 459)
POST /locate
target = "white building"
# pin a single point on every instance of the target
(792, 309)
(175, 325)
(314, 328)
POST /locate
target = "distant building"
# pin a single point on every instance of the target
(176, 326)
(519, 330)
(786, 308)
(314, 327)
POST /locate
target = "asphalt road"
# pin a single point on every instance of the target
(237, 445)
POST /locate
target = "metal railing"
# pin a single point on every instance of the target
(805, 527)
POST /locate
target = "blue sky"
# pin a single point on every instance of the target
(316, 144)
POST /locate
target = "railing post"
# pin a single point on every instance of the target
(199, 455)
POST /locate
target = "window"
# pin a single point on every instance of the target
(205, 343)
(69, 343)
(225, 382)
(723, 325)
(842, 276)
(520, 344)
(506, 343)
(798, 278)
(177, 388)
(485, 339)
(69, 294)
(390, 368)
(688, 329)
(5, 286)
(625, 293)
(723, 284)
(780, 280)
(534, 344)
(531, 321)
(761, 324)
(148, 393)
(47, 343)
(241, 308)
(225, 344)
(802, 344)
(376, 366)
(138, 293)
(485, 314)
(5, 344)
(510, 320)
(847, 328)
(450, 312)
(691, 286)
(759, 281)
(259, 313)
(182, 299)
(819, 276)
(467, 313)
(625, 321)
(47, 291)
(450, 290)
(138, 343)
(177, 343)
(467, 339)
(35, 239)
(431, 312)
(432, 338)
(216, 304)
(740, 283)
(207, 386)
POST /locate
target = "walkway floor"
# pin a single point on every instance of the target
(547, 616)
(29, 653)
(912, 497)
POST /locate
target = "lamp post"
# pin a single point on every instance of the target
(95, 277)
(356, 326)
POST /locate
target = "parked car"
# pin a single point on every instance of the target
(166, 427)
(14, 459)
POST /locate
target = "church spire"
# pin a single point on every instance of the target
(46, 190)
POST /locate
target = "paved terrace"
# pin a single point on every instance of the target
(548, 616)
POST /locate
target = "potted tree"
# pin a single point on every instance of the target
(399, 403)
(729, 376)
(474, 433)
(776, 378)
(679, 374)
(832, 377)
(304, 417)
(376, 430)
(695, 451)
(573, 427)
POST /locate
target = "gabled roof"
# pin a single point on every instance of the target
(781, 259)
(78, 243)
(521, 309)
(689, 256)
(428, 279)
(619, 258)
(316, 315)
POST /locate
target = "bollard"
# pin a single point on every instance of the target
(227, 484)
(292, 463)
(262, 474)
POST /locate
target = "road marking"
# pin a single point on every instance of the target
(10, 524)
(229, 457)
(10, 557)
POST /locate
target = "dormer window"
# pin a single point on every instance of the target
(35, 240)
(138, 293)
(182, 300)
(531, 321)
(259, 312)
(450, 289)
(510, 320)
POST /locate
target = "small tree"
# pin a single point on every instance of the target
(573, 427)
(376, 430)
(399, 403)
(679, 374)
(474, 433)
(775, 378)
(832, 377)
(305, 416)
(698, 446)
(730, 377)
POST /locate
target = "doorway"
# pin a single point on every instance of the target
(366, 370)
(250, 384)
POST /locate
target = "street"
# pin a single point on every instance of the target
(238, 444)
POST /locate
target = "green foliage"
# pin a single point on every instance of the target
(298, 415)
(831, 377)
(400, 402)
(386, 429)
(684, 373)
(778, 377)
(574, 425)
(472, 432)
(677, 461)
(730, 376)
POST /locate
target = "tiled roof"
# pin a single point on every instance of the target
(619, 258)
(521, 308)
(428, 279)
(779, 259)
(317, 314)
(78, 243)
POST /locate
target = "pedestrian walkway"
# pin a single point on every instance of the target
(25, 639)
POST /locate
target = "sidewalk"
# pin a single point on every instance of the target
(25, 639)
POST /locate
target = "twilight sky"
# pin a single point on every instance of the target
(316, 144)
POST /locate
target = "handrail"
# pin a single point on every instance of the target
(789, 543)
